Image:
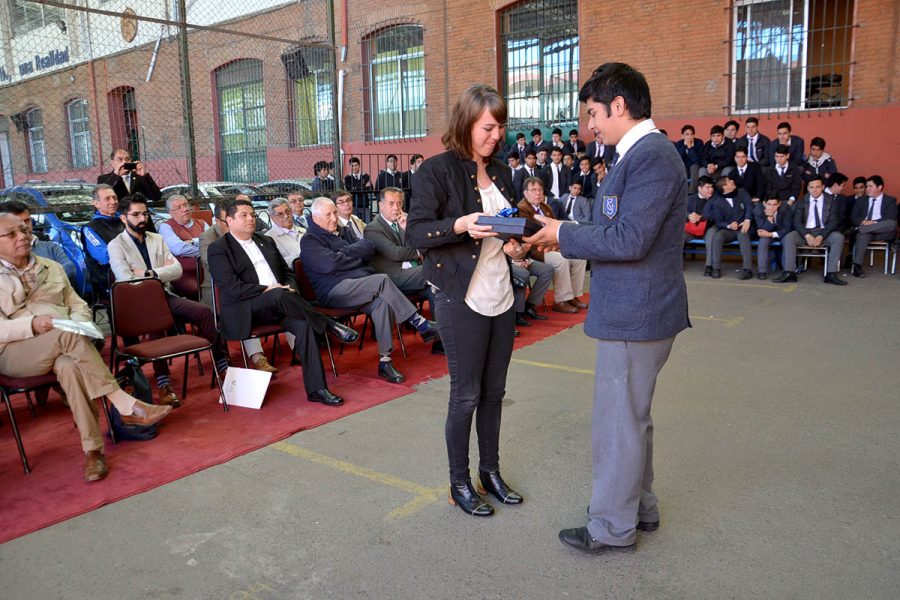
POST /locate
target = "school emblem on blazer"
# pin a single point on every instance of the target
(610, 206)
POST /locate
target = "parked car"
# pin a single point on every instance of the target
(283, 187)
(213, 191)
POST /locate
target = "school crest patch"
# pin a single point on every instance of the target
(610, 206)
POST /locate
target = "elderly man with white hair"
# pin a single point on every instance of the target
(181, 232)
(342, 276)
(284, 231)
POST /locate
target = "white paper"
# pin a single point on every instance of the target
(87, 328)
(245, 387)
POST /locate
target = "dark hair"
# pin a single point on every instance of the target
(556, 131)
(716, 129)
(231, 209)
(837, 178)
(782, 149)
(573, 132)
(414, 158)
(322, 164)
(585, 157)
(783, 125)
(705, 180)
(467, 110)
(664, 132)
(112, 154)
(752, 120)
(14, 206)
(858, 180)
(390, 190)
(338, 193)
(611, 80)
(536, 131)
(354, 160)
(740, 148)
(530, 181)
(390, 156)
(530, 152)
(817, 142)
(720, 182)
(686, 127)
(816, 178)
(876, 179)
(731, 123)
(772, 197)
(221, 207)
(126, 202)
(520, 136)
(555, 149)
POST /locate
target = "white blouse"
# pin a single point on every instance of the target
(490, 292)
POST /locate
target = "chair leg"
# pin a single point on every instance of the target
(218, 381)
(400, 337)
(30, 405)
(331, 355)
(362, 336)
(199, 364)
(187, 363)
(274, 348)
(16, 434)
(244, 355)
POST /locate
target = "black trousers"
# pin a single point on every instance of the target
(291, 311)
(478, 351)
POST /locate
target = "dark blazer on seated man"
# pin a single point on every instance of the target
(796, 146)
(750, 178)
(782, 223)
(786, 186)
(392, 254)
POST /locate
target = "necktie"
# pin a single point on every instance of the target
(871, 209)
(569, 205)
(741, 171)
(781, 171)
(396, 229)
(596, 150)
(818, 218)
(615, 159)
(752, 149)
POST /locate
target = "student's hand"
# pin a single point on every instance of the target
(763, 233)
(733, 226)
(547, 239)
(745, 226)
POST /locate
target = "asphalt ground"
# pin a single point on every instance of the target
(776, 445)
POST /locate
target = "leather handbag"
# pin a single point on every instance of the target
(696, 229)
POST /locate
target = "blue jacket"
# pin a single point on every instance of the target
(721, 214)
(635, 246)
(783, 221)
(329, 259)
(54, 251)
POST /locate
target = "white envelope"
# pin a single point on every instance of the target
(245, 387)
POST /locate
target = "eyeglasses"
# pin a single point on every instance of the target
(12, 234)
(284, 214)
(344, 201)
(139, 214)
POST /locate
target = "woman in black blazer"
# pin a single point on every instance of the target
(469, 266)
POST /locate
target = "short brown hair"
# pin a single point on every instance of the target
(468, 108)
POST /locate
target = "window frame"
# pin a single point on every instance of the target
(370, 45)
(255, 161)
(22, 24)
(33, 153)
(77, 138)
(323, 89)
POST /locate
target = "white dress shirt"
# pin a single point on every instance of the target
(815, 206)
(262, 268)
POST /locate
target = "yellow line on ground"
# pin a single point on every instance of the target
(423, 495)
(532, 363)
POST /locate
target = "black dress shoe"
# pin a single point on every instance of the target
(833, 279)
(521, 321)
(857, 271)
(438, 348)
(716, 274)
(430, 332)
(785, 277)
(532, 313)
(580, 539)
(707, 272)
(325, 397)
(745, 274)
(493, 484)
(463, 495)
(762, 276)
(342, 333)
(387, 371)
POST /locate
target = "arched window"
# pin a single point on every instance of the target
(37, 150)
(242, 120)
(123, 120)
(395, 85)
(310, 75)
(79, 133)
(539, 50)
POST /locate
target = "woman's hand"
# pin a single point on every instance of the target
(467, 224)
(516, 250)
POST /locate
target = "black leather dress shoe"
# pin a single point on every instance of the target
(833, 279)
(463, 495)
(580, 539)
(493, 484)
(387, 371)
(430, 332)
(438, 348)
(342, 333)
(521, 321)
(745, 274)
(716, 274)
(707, 271)
(857, 271)
(785, 277)
(762, 276)
(325, 397)
(532, 313)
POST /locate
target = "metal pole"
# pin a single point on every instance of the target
(336, 130)
(187, 102)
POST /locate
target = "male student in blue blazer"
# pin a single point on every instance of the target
(638, 304)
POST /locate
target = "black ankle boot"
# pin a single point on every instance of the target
(493, 484)
(463, 495)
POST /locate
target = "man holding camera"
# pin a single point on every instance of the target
(129, 177)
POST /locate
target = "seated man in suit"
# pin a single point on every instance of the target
(731, 211)
(773, 223)
(574, 146)
(529, 170)
(182, 232)
(794, 143)
(97, 234)
(538, 143)
(568, 273)
(389, 176)
(350, 227)
(136, 253)
(284, 232)
(514, 164)
(556, 176)
(126, 179)
(297, 202)
(756, 143)
(718, 154)
(747, 175)
(875, 218)
(556, 140)
(564, 208)
(46, 248)
(526, 307)
(815, 222)
(585, 176)
(252, 347)
(818, 162)
(690, 149)
(697, 219)
(33, 292)
(343, 277)
(782, 178)
(519, 148)
(257, 286)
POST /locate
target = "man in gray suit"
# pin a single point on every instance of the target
(638, 303)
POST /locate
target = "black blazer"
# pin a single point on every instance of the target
(752, 180)
(606, 152)
(790, 184)
(446, 189)
(143, 184)
(782, 224)
(796, 151)
(238, 284)
(861, 209)
(578, 148)
(831, 216)
(518, 182)
(565, 177)
(544, 145)
(352, 184)
(763, 158)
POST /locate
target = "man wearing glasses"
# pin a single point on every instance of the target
(298, 209)
(129, 177)
(350, 227)
(284, 232)
(182, 232)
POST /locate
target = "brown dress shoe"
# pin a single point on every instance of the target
(261, 364)
(168, 396)
(146, 414)
(564, 307)
(95, 467)
(577, 303)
